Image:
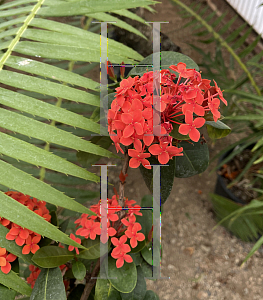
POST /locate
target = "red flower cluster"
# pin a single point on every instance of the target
(119, 231)
(20, 235)
(139, 117)
(5, 259)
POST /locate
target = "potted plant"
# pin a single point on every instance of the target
(239, 189)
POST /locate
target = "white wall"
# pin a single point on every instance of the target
(251, 11)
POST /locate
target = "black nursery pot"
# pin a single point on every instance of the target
(221, 187)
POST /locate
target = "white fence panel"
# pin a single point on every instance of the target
(251, 11)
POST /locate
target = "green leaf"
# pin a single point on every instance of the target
(87, 159)
(15, 3)
(126, 276)
(167, 177)
(49, 285)
(20, 215)
(194, 161)
(217, 130)
(52, 256)
(88, 36)
(45, 70)
(78, 269)
(6, 293)
(11, 246)
(168, 58)
(147, 253)
(93, 249)
(105, 291)
(18, 180)
(81, 7)
(150, 295)
(14, 282)
(47, 50)
(119, 23)
(29, 153)
(137, 258)
(46, 87)
(140, 289)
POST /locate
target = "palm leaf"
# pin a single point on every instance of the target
(28, 91)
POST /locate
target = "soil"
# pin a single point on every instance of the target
(202, 263)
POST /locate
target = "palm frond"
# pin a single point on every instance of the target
(232, 43)
(36, 67)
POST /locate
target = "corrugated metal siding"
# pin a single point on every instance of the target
(251, 11)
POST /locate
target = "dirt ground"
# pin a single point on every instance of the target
(202, 263)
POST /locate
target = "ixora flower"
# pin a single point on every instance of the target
(22, 236)
(145, 121)
(117, 230)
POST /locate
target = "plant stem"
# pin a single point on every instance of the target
(90, 281)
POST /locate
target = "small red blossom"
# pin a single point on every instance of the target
(165, 152)
(133, 234)
(191, 125)
(31, 244)
(77, 240)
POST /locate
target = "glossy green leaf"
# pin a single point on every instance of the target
(46, 87)
(217, 130)
(136, 257)
(6, 293)
(52, 256)
(20, 215)
(168, 58)
(147, 253)
(18, 180)
(167, 177)
(29, 153)
(194, 161)
(49, 285)
(104, 290)
(150, 295)
(81, 7)
(126, 276)
(93, 249)
(11, 246)
(78, 269)
(46, 70)
(14, 282)
(140, 289)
